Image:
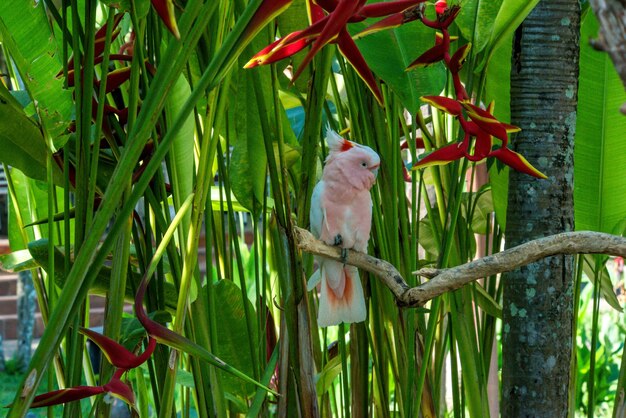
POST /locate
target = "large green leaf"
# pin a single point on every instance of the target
(511, 14)
(31, 199)
(594, 267)
(498, 90)
(26, 33)
(182, 152)
(600, 150)
(475, 21)
(232, 335)
(389, 53)
(38, 257)
(248, 160)
(21, 141)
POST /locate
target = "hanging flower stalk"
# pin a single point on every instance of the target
(478, 124)
(124, 360)
(329, 20)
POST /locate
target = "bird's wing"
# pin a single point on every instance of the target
(317, 214)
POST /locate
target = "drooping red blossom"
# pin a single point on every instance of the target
(329, 25)
(479, 126)
(57, 397)
(165, 10)
(116, 353)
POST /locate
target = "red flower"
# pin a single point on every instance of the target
(165, 10)
(119, 357)
(482, 126)
(329, 25)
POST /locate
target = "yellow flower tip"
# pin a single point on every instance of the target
(252, 63)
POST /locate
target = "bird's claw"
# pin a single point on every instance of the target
(338, 240)
(344, 255)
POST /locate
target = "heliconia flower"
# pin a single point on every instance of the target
(115, 387)
(165, 10)
(403, 12)
(419, 144)
(282, 48)
(431, 56)
(331, 28)
(348, 49)
(116, 78)
(441, 6)
(517, 162)
(100, 38)
(482, 145)
(267, 11)
(57, 397)
(458, 58)
(434, 54)
(116, 353)
(445, 17)
(335, 23)
(121, 391)
(443, 155)
(97, 60)
(448, 105)
(488, 123)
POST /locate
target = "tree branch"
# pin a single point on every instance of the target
(444, 280)
(612, 17)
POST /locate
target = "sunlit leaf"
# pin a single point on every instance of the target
(388, 53)
(475, 20)
(25, 33)
(603, 279)
(600, 149)
(22, 143)
(233, 338)
(511, 14)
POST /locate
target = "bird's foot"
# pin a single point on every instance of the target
(344, 255)
(338, 240)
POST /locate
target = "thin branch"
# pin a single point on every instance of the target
(612, 17)
(445, 280)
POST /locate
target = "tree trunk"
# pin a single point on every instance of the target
(538, 306)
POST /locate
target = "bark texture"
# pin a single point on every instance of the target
(448, 279)
(538, 306)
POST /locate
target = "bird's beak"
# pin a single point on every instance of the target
(374, 169)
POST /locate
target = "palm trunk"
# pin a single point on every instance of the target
(538, 305)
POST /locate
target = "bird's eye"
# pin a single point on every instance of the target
(363, 164)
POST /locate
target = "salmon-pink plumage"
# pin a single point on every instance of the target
(341, 214)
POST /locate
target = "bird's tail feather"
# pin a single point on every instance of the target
(341, 297)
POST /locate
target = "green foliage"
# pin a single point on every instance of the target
(211, 142)
(390, 52)
(20, 138)
(607, 351)
(600, 147)
(24, 28)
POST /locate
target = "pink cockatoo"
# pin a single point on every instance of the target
(341, 214)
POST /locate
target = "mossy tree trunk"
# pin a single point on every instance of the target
(538, 305)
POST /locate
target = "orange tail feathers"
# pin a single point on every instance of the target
(341, 298)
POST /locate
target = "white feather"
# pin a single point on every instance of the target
(333, 139)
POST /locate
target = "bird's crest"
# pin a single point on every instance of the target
(336, 142)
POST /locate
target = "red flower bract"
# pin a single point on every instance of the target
(329, 22)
